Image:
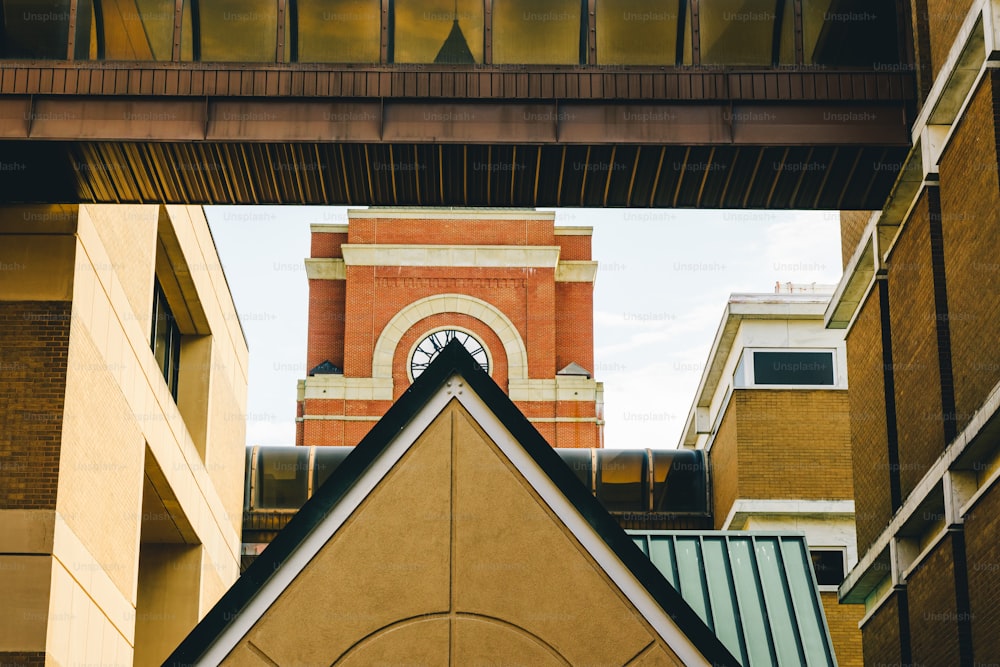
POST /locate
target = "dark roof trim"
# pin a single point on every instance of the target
(452, 360)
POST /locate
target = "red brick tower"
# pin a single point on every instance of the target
(392, 284)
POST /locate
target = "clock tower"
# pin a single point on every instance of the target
(393, 286)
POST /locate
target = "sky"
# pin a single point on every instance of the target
(663, 281)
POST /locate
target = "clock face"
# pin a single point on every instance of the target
(430, 346)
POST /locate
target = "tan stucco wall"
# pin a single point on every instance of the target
(118, 421)
(452, 557)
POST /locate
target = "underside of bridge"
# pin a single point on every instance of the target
(778, 104)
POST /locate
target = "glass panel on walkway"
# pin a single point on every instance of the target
(237, 30)
(338, 31)
(438, 31)
(530, 32)
(125, 30)
(743, 32)
(34, 29)
(638, 32)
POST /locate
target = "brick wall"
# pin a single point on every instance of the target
(920, 419)
(34, 347)
(793, 444)
(725, 467)
(944, 18)
(970, 199)
(376, 294)
(842, 619)
(452, 231)
(327, 244)
(574, 247)
(852, 224)
(869, 441)
(574, 322)
(326, 323)
(880, 635)
(22, 659)
(933, 613)
(982, 525)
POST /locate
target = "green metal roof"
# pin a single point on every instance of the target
(756, 591)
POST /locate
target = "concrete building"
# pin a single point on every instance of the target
(123, 374)
(920, 306)
(391, 287)
(771, 412)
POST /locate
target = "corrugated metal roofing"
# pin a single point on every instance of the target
(756, 591)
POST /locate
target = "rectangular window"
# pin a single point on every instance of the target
(793, 368)
(165, 339)
(829, 565)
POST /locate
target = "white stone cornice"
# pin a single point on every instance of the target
(562, 389)
(324, 268)
(337, 387)
(574, 231)
(494, 256)
(576, 271)
(328, 228)
(424, 213)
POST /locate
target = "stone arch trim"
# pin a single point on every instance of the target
(487, 313)
(376, 635)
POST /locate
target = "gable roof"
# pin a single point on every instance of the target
(453, 368)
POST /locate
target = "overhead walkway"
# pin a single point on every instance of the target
(644, 103)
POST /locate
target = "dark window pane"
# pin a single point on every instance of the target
(238, 30)
(637, 32)
(165, 339)
(793, 368)
(439, 31)
(341, 31)
(535, 32)
(622, 483)
(282, 477)
(35, 29)
(828, 565)
(849, 33)
(579, 461)
(327, 459)
(742, 32)
(679, 478)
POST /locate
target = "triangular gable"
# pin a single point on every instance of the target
(452, 528)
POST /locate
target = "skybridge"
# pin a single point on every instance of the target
(778, 104)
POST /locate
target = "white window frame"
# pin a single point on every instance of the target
(828, 588)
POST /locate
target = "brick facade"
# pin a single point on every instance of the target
(982, 525)
(348, 316)
(783, 437)
(34, 347)
(869, 430)
(943, 19)
(970, 199)
(920, 420)
(933, 612)
(842, 620)
(852, 224)
(881, 636)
